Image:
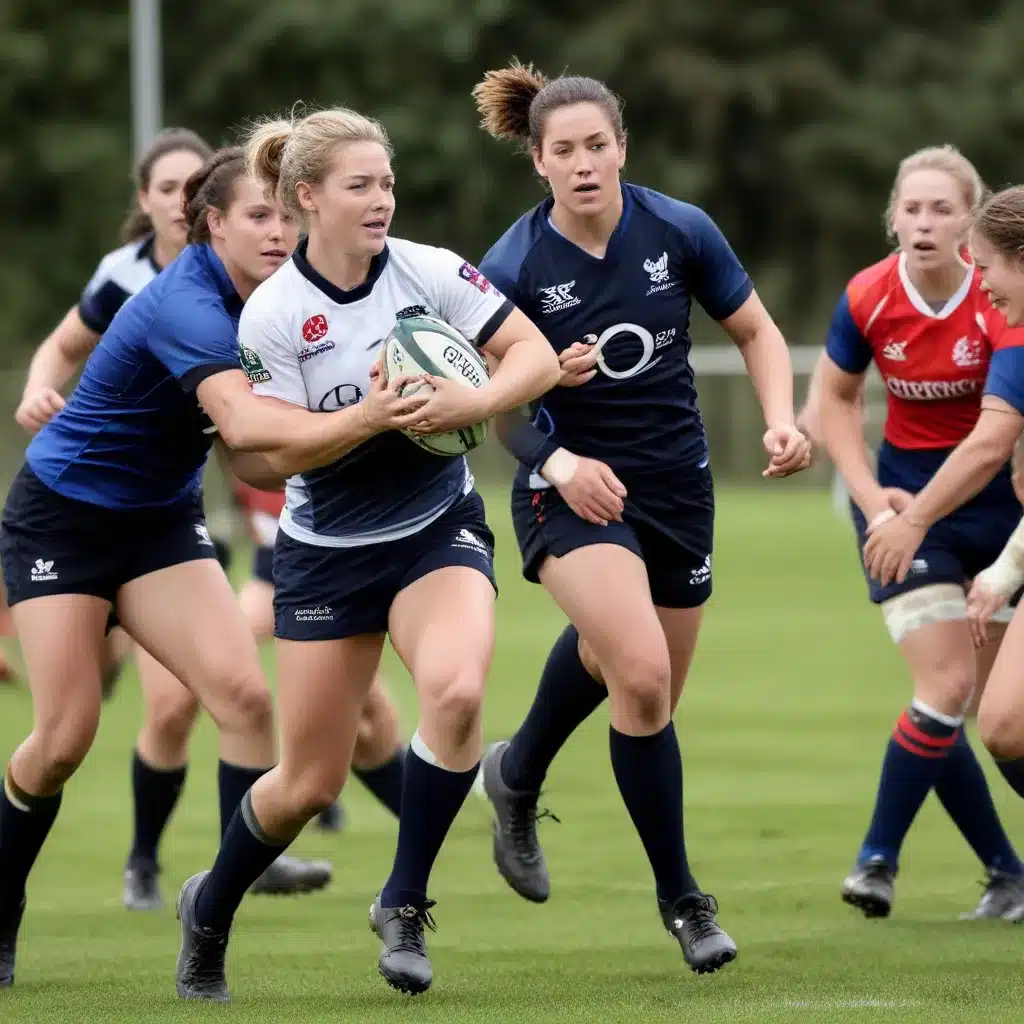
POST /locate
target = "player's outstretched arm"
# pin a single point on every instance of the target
(292, 439)
(766, 355)
(55, 362)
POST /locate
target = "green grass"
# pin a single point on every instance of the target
(783, 724)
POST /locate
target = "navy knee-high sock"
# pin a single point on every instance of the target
(568, 694)
(1013, 771)
(155, 793)
(963, 791)
(233, 782)
(431, 799)
(385, 780)
(25, 822)
(913, 760)
(649, 772)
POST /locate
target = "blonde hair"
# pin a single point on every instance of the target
(947, 159)
(1000, 220)
(280, 153)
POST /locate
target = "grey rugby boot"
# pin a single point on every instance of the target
(200, 970)
(517, 852)
(403, 962)
(870, 887)
(1003, 899)
(288, 876)
(141, 885)
(706, 947)
(8, 943)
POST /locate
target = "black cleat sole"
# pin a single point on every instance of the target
(716, 963)
(869, 906)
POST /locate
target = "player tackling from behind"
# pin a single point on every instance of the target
(922, 317)
(613, 502)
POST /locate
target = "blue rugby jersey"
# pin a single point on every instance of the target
(639, 413)
(132, 434)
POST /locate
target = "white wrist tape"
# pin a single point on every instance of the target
(1006, 573)
(560, 467)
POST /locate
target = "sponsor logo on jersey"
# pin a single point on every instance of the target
(657, 270)
(469, 273)
(895, 351)
(968, 352)
(409, 311)
(253, 365)
(316, 350)
(557, 297)
(340, 397)
(314, 329)
(42, 572)
(469, 540)
(931, 390)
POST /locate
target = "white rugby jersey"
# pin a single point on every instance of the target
(119, 276)
(308, 342)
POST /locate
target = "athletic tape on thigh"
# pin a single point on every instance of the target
(940, 602)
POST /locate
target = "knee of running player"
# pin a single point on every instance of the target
(378, 733)
(170, 716)
(451, 694)
(929, 624)
(59, 743)
(1001, 724)
(245, 706)
(639, 679)
(309, 786)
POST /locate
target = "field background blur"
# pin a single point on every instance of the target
(786, 123)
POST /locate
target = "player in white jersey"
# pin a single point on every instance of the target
(388, 539)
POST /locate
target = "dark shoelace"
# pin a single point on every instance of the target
(700, 916)
(206, 962)
(411, 923)
(522, 828)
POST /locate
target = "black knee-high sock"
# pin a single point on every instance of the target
(963, 791)
(1013, 771)
(155, 792)
(431, 799)
(246, 851)
(25, 822)
(385, 781)
(567, 695)
(649, 772)
(233, 782)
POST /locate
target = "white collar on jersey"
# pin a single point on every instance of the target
(918, 302)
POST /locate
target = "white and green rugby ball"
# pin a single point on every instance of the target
(424, 344)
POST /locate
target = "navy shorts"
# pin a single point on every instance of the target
(263, 563)
(956, 548)
(332, 593)
(50, 544)
(670, 527)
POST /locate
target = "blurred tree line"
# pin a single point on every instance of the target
(784, 121)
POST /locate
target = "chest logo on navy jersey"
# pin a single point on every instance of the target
(557, 298)
(967, 352)
(658, 272)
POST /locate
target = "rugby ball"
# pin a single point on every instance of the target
(424, 344)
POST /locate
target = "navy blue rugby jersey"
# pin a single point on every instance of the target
(120, 275)
(639, 413)
(133, 434)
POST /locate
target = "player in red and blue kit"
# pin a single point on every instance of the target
(921, 316)
(976, 465)
(613, 502)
